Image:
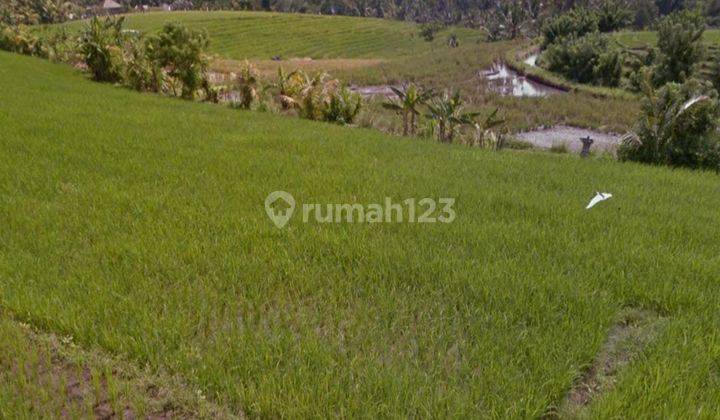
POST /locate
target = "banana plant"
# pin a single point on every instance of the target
(448, 112)
(409, 99)
(287, 86)
(248, 81)
(487, 134)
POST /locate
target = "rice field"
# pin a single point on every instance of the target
(644, 39)
(262, 35)
(135, 225)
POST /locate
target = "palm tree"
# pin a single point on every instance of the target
(447, 111)
(410, 97)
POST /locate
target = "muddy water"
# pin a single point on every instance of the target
(570, 137)
(505, 81)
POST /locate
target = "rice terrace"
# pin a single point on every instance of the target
(348, 209)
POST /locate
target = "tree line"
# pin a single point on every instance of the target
(502, 18)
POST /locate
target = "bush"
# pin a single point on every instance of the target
(19, 39)
(429, 30)
(573, 24)
(247, 82)
(325, 99)
(182, 52)
(60, 46)
(677, 127)
(140, 72)
(101, 47)
(679, 47)
(342, 106)
(589, 59)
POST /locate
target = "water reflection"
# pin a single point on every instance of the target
(507, 82)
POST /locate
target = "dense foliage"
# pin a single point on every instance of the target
(181, 51)
(504, 19)
(678, 126)
(680, 49)
(576, 49)
(101, 46)
(588, 59)
(574, 24)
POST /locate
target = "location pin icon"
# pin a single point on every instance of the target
(280, 206)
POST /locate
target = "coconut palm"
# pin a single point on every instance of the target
(409, 99)
(677, 126)
(447, 112)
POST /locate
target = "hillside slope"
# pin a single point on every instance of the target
(262, 35)
(136, 223)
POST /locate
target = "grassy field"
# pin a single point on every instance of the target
(135, 224)
(643, 39)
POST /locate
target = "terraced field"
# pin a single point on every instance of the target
(255, 35)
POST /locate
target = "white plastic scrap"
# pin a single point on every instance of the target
(598, 198)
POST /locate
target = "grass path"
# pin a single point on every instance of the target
(135, 224)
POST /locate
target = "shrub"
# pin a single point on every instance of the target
(101, 48)
(60, 46)
(19, 39)
(342, 106)
(429, 30)
(247, 82)
(182, 52)
(141, 73)
(589, 59)
(312, 97)
(677, 126)
(679, 47)
(574, 24)
(325, 99)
